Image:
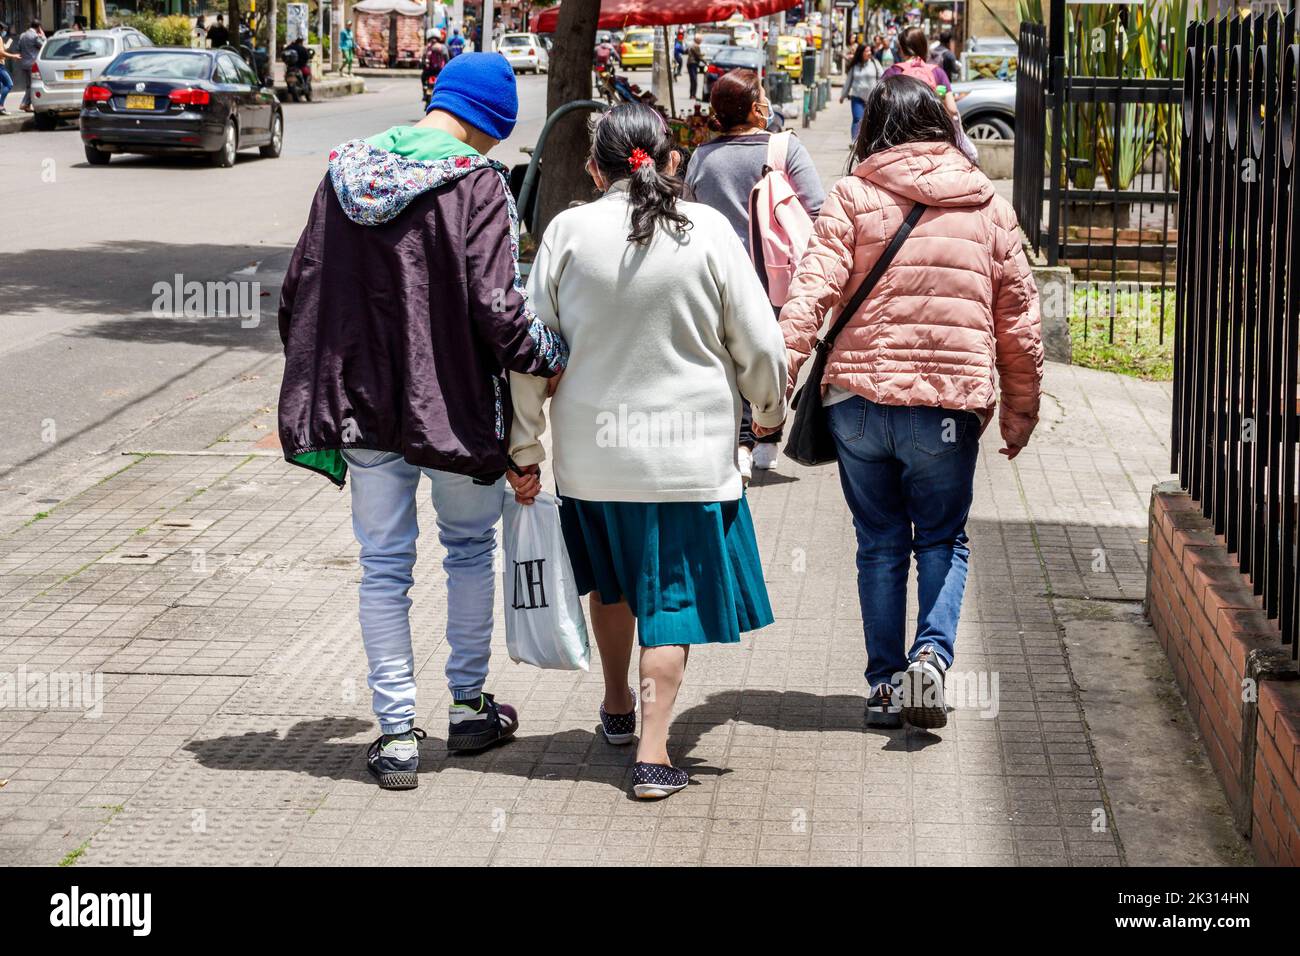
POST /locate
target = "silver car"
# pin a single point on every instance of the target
(69, 62)
(987, 108)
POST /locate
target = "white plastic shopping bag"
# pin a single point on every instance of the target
(544, 622)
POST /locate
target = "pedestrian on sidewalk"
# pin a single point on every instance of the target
(29, 47)
(694, 64)
(6, 80)
(863, 73)
(401, 307)
(199, 36)
(667, 322)
(456, 45)
(910, 379)
(679, 53)
(347, 46)
(218, 35)
(723, 174)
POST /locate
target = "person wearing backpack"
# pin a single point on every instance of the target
(667, 326)
(913, 376)
(916, 65)
(723, 174)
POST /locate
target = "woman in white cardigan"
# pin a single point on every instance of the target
(668, 326)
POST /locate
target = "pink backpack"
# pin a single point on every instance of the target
(779, 226)
(918, 69)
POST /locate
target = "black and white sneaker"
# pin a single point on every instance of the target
(619, 729)
(653, 781)
(882, 708)
(477, 725)
(921, 693)
(394, 759)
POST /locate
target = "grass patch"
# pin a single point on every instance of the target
(75, 855)
(1131, 316)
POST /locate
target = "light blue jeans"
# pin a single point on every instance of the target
(6, 84)
(908, 477)
(383, 519)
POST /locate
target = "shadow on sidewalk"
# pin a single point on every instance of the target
(322, 747)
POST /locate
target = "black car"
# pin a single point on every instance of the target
(730, 58)
(169, 99)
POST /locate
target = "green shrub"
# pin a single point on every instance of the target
(174, 30)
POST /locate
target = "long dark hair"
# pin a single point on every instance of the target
(859, 55)
(652, 192)
(900, 110)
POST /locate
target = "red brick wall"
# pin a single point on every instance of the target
(1216, 636)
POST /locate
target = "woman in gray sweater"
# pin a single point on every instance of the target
(723, 173)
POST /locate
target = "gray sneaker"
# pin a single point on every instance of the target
(921, 693)
(882, 709)
(394, 759)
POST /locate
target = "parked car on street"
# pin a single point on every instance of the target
(637, 48)
(987, 108)
(711, 41)
(789, 54)
(524, 51)
(169, 99)
(745, 34)
(730, 58)
(69, 62)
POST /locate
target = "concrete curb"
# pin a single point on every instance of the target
(329, 89)
(16, 123)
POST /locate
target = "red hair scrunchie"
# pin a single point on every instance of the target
(638, 158)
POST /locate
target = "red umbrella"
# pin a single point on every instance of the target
(616, 14)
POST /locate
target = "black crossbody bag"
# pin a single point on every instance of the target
(809, 440)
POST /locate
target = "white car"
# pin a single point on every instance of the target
(69, 62)
(524, 51)
(745, 35)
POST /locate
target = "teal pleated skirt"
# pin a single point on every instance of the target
(689, 571)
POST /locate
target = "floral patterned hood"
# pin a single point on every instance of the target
(374, 185)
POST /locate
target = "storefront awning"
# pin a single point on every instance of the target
(616, 14)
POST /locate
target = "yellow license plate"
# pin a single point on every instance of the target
(139, 101)
(74, 74)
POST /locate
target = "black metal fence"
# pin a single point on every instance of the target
(1235, 431)
(1095, 187)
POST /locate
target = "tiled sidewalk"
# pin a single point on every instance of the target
(235, 710)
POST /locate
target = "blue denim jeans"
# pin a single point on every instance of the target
(908, 475)
(6, 84)
(859, 106)
(383, 519)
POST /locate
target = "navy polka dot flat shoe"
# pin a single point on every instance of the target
(653, 781)
(619, 729)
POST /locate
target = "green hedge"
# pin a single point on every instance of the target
(172, 30)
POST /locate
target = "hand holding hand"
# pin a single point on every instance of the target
(527, 485)
(762, 432)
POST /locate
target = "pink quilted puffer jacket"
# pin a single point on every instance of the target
(957, 302)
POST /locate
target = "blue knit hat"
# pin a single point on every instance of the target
(479, 88)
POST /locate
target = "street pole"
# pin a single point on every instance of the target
(336, 24)
(487, 25)
(271, 31)
(827, 12)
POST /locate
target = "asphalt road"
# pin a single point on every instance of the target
(89, 367)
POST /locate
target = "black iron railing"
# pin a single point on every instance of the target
(1235, 433)
(1095, 188)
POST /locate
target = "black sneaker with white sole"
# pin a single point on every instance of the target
(619, 729)
(883, 709)
(921, 693)
(653, 781)
(394, 759)
(477, 725)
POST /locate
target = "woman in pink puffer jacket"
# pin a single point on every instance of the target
(910, 382)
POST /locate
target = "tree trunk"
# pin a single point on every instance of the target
(563, 176)
(232, 23)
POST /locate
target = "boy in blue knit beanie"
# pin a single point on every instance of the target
(401, 311)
